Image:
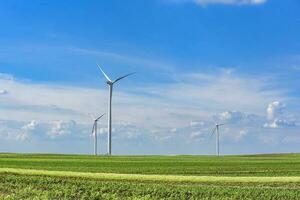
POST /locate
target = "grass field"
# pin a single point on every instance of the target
(25, 176)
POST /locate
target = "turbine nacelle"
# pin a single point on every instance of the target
(219, 125)
(96, 120)
(111, 82)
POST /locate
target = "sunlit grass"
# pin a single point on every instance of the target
(155, 178)
(46, 176)
(258, 165)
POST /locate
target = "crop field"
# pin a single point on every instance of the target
(40, 176)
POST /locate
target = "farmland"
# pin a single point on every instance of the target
(24, 176)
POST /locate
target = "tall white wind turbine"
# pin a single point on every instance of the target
(216, 131)
(95, 134)
(110, 84)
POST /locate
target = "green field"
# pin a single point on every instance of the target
(40, 176)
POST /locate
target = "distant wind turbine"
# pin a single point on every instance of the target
(216, 131)
(110, 84)
(95, 134)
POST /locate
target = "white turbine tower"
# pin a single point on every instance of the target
(216, 131)
(110, 84)
(95, 134)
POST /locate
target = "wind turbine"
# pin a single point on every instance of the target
(216, 131)
(110, 84)
(94, 132)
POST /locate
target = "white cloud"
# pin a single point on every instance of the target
(178, 112)
(233, 2)
(31, 126)
(28, 130)
(22, 136)
(231, 116)
(221, 91)
(196, 123)
(197, 135)
(200, 101)
(242, 133)
(277, 123)
(226, 2)
(17, 130)
(6, 76)
(233, 134)
(276, 117)
(61, 128)
(238, 118)
(3, 92)
(275, 109)
(173, 130)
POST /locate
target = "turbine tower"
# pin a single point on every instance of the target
(216, 131)
(110, 84)
(94, 132)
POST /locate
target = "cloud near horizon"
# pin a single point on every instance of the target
(276, 117)
(161, 115)
(3, 92)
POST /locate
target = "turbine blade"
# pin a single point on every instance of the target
(123, 77)
(93, 129)
(107, 78)
(99, 117)
(213, 131)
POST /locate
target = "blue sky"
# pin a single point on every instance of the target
(197, 61)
